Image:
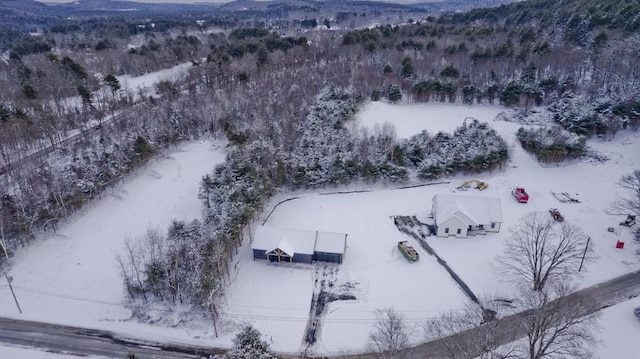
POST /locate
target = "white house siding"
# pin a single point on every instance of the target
(464, 213)
(495, 229)
(453, 224)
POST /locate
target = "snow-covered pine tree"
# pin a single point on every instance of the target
(248, 344)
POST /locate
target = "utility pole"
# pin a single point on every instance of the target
(585, 253)
(214, 311)
(9, 279)
(214, 314)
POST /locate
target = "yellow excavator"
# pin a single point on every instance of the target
(464, 123)
(478, 185)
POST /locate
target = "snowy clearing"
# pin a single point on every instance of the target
(143, 85)
(619, 327)
(376, 273)
(73, 278)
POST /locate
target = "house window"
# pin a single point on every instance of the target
(446, 230)
(459, 231)
(481, 226)
(493, 225)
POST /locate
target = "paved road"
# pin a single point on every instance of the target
(96, 342)
(603, 295)
(82, 341)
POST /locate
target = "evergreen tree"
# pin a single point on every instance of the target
(450, 71)
(394, 94)
(407, 70)
(248, 344)
(262, 55)
(29, 92)
(85, 94)
(113, 82)
(511, 94)
(5, 113)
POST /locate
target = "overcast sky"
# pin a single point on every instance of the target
(196, 1)
(151, 1)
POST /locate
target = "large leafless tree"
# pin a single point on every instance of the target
(390, 334)
(472, 332)
(558, 325)
(550, 323)
(630, 202)
(541, 251)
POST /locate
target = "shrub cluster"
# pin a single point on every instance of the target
(552, 144)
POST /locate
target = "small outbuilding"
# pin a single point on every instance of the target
(296, 245)
(461, 216)
(330, 247)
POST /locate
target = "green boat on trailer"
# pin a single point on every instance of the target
(408, 251)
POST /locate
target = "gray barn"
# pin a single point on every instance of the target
(330, 247)
(299, 246)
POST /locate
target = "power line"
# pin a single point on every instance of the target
(283, 318)
(65, 296)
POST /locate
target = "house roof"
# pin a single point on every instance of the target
(290, 241)
(284, 246)
(329, 242)
(470, 210)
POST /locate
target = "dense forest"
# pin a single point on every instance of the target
(285, 102)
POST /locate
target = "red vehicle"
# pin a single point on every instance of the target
(521, 195)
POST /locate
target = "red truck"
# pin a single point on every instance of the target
(521, 195)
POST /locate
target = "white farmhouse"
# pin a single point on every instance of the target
(461, 216)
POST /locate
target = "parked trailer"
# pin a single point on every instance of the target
(521, 195)
(408, 251)
(557, 216)
(630, 221)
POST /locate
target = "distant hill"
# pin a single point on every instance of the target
(574, 16)
(461, 5)
(21, 8)
(90, 8)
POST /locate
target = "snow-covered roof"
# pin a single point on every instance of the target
(330, 242)
(468, 209)
(284, 246)
(290, 241)
(293, 241)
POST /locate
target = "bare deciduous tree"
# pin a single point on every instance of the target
(390, 334)
(631, 202)
(130, 264)
(142, 264)
(540, 251)
(565, 327)
(445, 326)
(471, 332)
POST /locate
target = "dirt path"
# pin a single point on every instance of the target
(413, 227)
(326, 290)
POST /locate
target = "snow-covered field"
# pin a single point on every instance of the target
(73, 278)
(380, 277)
(620, 331)
(143, 85)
